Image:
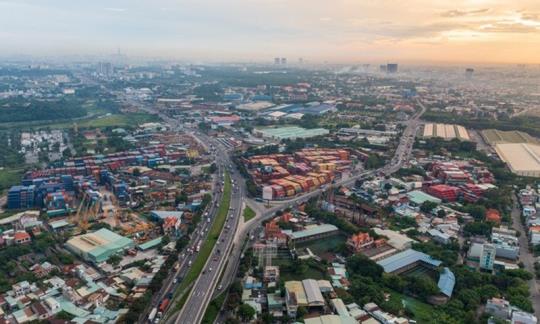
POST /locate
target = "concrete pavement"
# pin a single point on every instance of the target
(526, 256)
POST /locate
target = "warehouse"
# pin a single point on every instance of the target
(408, 260)
(98, 246)
(292, 132)
(313, 293)
(313, 232)
(418, 197)
(522, 159)
(446, 131)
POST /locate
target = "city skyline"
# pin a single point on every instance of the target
(490, 31)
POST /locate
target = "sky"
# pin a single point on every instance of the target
(341, 31)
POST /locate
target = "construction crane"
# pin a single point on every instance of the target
(79, 209)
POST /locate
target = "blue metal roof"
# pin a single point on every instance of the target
(403, 259)
(447, 281)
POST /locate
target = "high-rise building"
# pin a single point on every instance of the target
(283, 60)
(300, 60)
(276, 60)
(487, 257)
(21, 197)
(469, 73)
(382, 68)
(105, 68)
(391, 67)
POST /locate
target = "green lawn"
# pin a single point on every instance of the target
(9, 177)
(423, 313)
(113, 120)
(208, 245)
(248, 213)
(213, 309)
(288, 271)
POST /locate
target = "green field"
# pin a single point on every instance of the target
(97, 118)
(113, 120)
(248, 214)
(423, 313)
(494, 136)
(288, 272)
(208, 245)
(321, 246)
(213, 309)
(9, 177)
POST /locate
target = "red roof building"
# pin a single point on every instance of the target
(21, 237)
(444, 192)
(359, 242)
(493, 215)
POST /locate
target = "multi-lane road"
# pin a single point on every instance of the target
(401, 155)
(207, 282)
(226, 254)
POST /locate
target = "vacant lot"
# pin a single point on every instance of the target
(494, 136)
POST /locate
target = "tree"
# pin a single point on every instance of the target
(114, 260)
(477, 228)
(427, 206)
(301, 312)
(422, 286)
(361, 265)
(469, 298)
(66, 153)
(478, 212)
(365, 290)
(246, 312)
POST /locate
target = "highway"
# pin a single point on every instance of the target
(401, 155)
(202, 291)
(206, 282)
(227, 251)
(187, 257)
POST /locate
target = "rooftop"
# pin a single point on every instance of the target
(447, 281)
(405, 258)
(313, 230)
(292, 132)
(520, 157)
(419, 197)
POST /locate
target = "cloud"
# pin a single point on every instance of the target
(534, 16)
(508, 27)
(116, 9)
(461, 13)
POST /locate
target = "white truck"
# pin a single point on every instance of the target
(152, 315)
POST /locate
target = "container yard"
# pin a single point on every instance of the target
(281, 176)
(117, 189)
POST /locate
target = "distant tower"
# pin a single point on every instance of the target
(300, 60)
(276, 60)
(391, 67)
(105, 68)
(469, 73)
(283, 61)
(382, 68)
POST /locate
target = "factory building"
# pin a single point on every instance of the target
(446, 131)
(522, 159)
(313, 232)
(98, 246)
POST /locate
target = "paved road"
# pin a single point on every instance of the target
(189, 254)
(526, 256)
(401, 155)
(204, 287)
